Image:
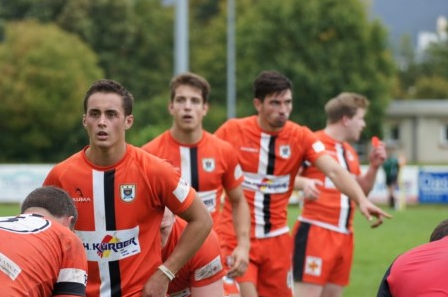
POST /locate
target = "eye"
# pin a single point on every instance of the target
(111, 114)
(94, 113)
(179, 99)
(196, 100)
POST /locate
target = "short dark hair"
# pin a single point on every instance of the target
(270, 82)
(440, 231)
(55, 200)
(111, 86)
(193, 80)
(345, 104)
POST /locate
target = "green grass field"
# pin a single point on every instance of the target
(376, 248)
(9, 209)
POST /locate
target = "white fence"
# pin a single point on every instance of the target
(17, 180)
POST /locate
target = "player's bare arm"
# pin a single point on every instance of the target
(376, 159)
(241, 223)
(309, 186)
(348, 185)
(197, 230)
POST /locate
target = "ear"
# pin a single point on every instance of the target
(66, 221)
(345, 120)
(170, 107)
(205, 108)
(84, 120)
(257, 104)
(128, 122)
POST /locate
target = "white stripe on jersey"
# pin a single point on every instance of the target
(185, 163)
(100, 226)
(263, 158)
(344, 200)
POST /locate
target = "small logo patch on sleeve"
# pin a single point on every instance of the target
(9, 267)
(318, 147)
(238, 172)
(181, 190)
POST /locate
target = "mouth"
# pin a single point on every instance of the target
(102, 135)
(187, 118)
(282, 118)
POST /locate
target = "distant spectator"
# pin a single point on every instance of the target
(391, 169)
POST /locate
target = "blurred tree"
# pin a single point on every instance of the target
(423, 78)
(130, 37)
(325, 47)
(431, 87)
(44, 73)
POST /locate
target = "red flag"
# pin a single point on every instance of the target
(375, 141)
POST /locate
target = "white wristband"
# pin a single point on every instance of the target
(167, 272)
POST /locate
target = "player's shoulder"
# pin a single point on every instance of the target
(154, 143)
(148, 162)
(238, 123)
(74, 160)
(216, 142)
(294, 130)
(141, 155)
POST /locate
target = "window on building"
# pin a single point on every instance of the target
(395, 133)
(444, 134)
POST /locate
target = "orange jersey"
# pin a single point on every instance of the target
(270, 162)
(209, 166)
(204, 268)
(120, 210)
(332, 210)
(40, 257)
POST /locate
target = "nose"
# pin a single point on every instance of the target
(282, 108)
(187, 104)
(102, 120)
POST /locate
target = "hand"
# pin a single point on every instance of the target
(156, 286)
(369, 210)
(238, 262)
(310, 188)
(378, 155)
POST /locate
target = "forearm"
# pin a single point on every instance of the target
(367, 180)
(299, 183)
(241, 222)
(189, 243)
(347, 185)
(198, 227)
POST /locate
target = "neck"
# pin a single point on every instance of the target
(335, 132)
(105, 156)
(266, 127)
(38, 210)
(63, 220)
(186, 137)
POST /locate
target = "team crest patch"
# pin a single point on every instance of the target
(313, 266)
(285, 151)
(208, 164)
(127, 192)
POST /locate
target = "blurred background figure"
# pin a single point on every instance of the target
(391, 169)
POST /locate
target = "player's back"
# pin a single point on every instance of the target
(33, 258)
